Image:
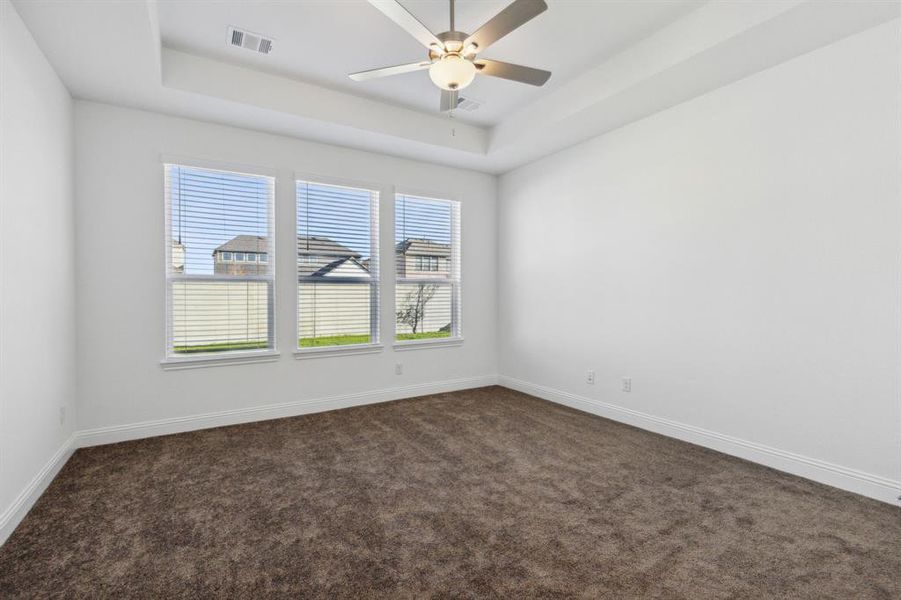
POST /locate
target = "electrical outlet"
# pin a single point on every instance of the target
(589, 377)
(399, 368)
(62, 415)
(627, 384)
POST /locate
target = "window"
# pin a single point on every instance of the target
(217, 306)
(337, 265)
(427, 251)
(427, 263)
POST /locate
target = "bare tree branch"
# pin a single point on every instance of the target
(412, 310)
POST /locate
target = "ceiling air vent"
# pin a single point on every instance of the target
(468, 104)
(249, 40)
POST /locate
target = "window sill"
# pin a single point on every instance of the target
(422, 344)
(328, 351)
(203, 361)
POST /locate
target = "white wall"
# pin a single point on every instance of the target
(37, 305)
(738, 256)
(120, 278)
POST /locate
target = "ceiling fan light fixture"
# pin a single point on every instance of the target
(452, 72)
(452, 54)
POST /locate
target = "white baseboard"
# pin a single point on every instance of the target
(133, 431)
(15, 512)
(852, 480)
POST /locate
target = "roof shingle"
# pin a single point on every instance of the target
(422, 247)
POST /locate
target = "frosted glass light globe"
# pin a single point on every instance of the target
(452, 72)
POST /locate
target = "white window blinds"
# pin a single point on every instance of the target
(219, 259)
(337, 265)
(427, 251)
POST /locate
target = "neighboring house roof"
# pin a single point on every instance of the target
(341, 267)
(305, 245)
(422, 247)
(327, 247)
(311, 244)
(245, 243)
(324, 255)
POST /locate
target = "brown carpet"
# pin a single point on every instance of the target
(476, 494)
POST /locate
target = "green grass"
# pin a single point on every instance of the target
(334, 340)
(222, 347)
(327, 340)
(422, 335)
(344, 340)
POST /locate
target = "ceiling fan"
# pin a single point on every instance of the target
(453, 55)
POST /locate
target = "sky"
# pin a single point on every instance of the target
(422, 218)
(208, 208)
(211, 207)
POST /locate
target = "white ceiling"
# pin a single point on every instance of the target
(614, 62)
(321, 41)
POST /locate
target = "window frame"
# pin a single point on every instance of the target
(376, 304)
(173, 361)
(455, 261)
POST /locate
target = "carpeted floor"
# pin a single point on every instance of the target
(476, 494)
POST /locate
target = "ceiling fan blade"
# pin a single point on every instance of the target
(386, 71)
(400, 15)
(449, 100)
(496, 68)
(515, 15)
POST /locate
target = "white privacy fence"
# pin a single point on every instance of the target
(330, 309)
(215, 314)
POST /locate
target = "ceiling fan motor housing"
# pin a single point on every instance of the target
(453, 42)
